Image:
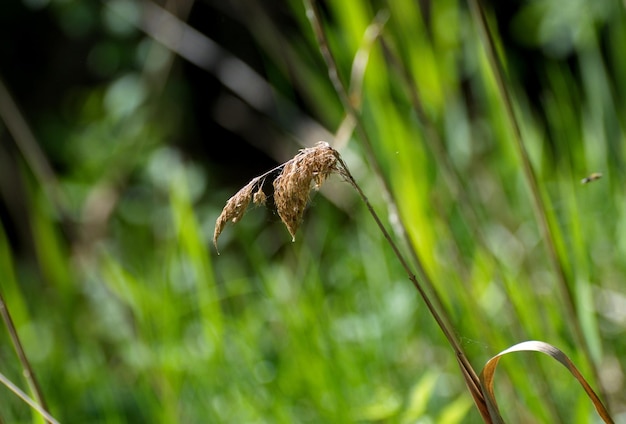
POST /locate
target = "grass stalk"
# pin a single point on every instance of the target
(31, 402)
(538, 204)
(353, 113)
(430, 297)
(27, 370)
(473, 385)
(453, 179)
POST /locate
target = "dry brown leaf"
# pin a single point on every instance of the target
(487, 375)
(477, 395)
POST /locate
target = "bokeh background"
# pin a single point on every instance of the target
(125, 126)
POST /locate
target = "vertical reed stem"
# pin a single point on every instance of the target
(431, 298)
(539, 207)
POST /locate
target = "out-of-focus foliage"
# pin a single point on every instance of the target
(147, 116)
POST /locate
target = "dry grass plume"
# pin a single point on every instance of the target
(306, 171)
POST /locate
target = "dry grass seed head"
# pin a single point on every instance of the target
(259, 197)
(234, 209)
(309, 167)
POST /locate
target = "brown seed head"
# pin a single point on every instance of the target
(307, 170)
(259, 197)
(310, 167)
(234, 209)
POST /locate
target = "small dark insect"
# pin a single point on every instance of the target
(590, 178)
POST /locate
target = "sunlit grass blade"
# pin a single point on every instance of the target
(419, 397)
(193, 247)
(456, 411)
(357, 73)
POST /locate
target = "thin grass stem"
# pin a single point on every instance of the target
(539, 206)
(468, 371)
(431, 297)
(31, 402)
(453, 179)
(27, 370)
(353, 113)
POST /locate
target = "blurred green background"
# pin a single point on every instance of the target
(125, 126)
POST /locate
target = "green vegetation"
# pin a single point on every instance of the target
(127, 314)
